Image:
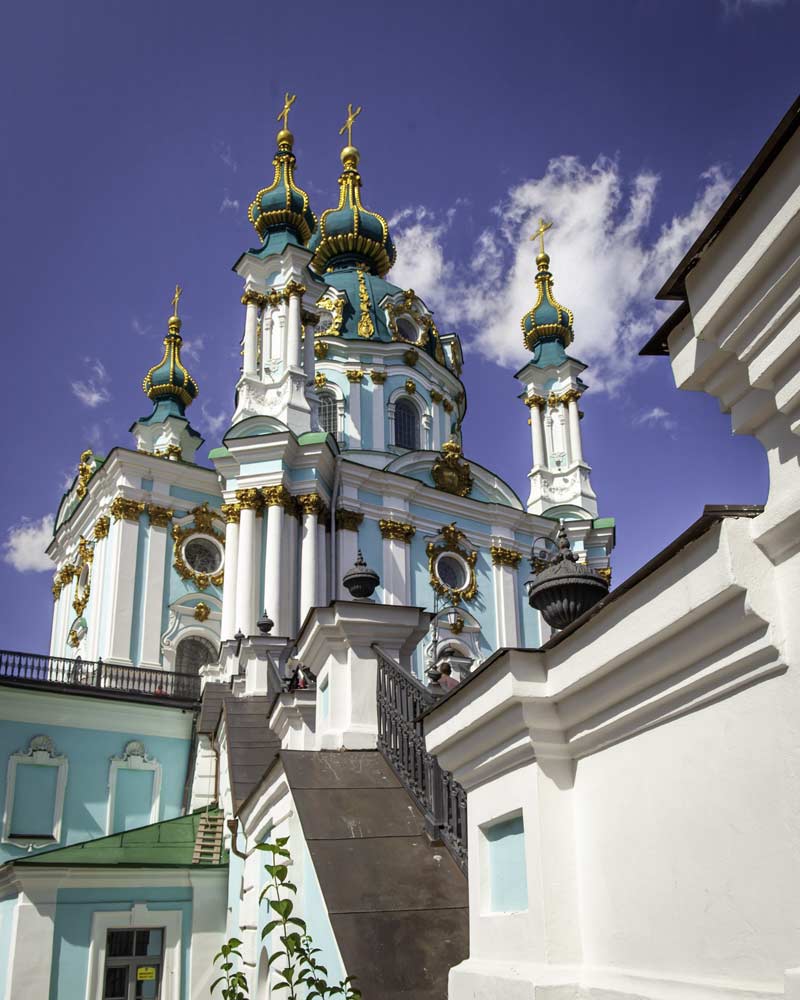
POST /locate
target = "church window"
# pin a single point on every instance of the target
(452, 571)
(134, 789)
(134, 958)
(407, 330)
(203, 555)
(34, 805)
(193, 653)
(504, 857)
(406, 425)
(328, 413)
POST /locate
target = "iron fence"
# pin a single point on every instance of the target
(401, 701)
(34, 669)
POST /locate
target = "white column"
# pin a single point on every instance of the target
(505, 582)
(378, 411)
(537, 439)
(293, 326)
(273, 577)
(153, 587)
(321, 597)
(576, 450)
(94, 611)
(31, 951)
(396, 574)
(266, 341)
(354, 411)
(124, 541)
(228, 627)
(291, 567)
(54, 633)
(245, 600)
(310, 505)
(209, 904)
(309, 361)
(250, 300)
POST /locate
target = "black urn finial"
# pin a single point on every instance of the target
(360, 580)
(565, 589)
(264, 623)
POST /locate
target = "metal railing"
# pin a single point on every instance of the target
(94, 676)
(401, 701)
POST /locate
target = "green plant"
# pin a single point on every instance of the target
(294, 962)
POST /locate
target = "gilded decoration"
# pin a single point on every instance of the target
(173, 452)
(605, 572)
(201, 611)
(410, 357)
(436, 397)
(450, 473)
(397, 531)
(502, 556)
(335, 307)
(101, 527)
(248, 499)
(73, 638)
(354, 374)
(411, 386)
(204, 523)
(63, 578)
(366, 328)
(277, 496)
(85, 551)
(448, 406)
(254, 297)
(457, 627)
(82, 599)
(310, 503)
(231, 512)
(85, 472)
(159, 516)
(320, 351)
(379, 378)
(452, 541)
(348, 520)
(293, 288)
(128, 510)
(320, 380)
(533, 400)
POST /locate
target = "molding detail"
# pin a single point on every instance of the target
(398, 531)
(133, 758)
(40, 752)
(502, 556)
(348, 520)
(124, 509)
(101, 527)
(159, 516)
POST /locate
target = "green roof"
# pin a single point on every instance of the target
(604, 522)
(169, 844)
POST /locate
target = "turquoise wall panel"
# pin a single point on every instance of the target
(505, 855)
(367, 436)
(133, 799)
(34, 799)
(195, 498)
(89, 753)
(73, 928)
(369, 497)
(147, 484)
(371, 545)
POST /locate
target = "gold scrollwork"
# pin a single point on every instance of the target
(293, 288)
(124, 509)
(334, 306)
(101, 527)
(450, 473)
(320, 351)
(320, 380)
(398, 531)
(257, 298)
(354, 374)
(365, 328)
(452, 541)
(502, 556)
(85, 472)
(231, 512)
(248, 499)
(277, 496)
(159, 516)
(204, 524)
(310, 503)
(201, 611)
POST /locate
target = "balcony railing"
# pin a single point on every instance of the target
(401, 701)
(96, 677)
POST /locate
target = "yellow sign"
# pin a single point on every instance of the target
(146, 973)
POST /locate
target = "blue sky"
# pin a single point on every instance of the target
(137, 134)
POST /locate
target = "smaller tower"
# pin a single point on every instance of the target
(166, 432)
(560, 476)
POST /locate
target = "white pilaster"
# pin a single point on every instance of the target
(505, 583)
(245, 598)
(576, 449)
(153, 592)
(250, 363)
(537, 438)
(31, 951)
(290, 564)
(354, 414)
(228, 627)
(346, 554)
(321, 596)
(309, 557)
(124, 543)
(96, 600)
(378, 415)
(274, 597)
(396, 580)
(293, 331)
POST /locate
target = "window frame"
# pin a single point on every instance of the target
(133, 758)
(141, 918)
(40, 752)
(412, 407)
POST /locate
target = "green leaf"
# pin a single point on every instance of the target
(281, 841)
(290, 886)
(282, 906)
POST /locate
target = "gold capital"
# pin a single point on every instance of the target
(348, 125)
(310, 503)
(231, 512)
(398, 531)
(502, 556)
(248, 499)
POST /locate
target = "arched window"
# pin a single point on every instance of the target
(193, 653)
(406, 425)
(328, 413)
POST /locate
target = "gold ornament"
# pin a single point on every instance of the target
(436, 397)
(379, 378)
(450, 473)
(398, 531)
(159, 516)
(320, 380)
(231, 512)
(348, 520)
(85, 472)
(453, 539)
(248, 499)
(101, 526)
(204, 524)
(320, 352)
(201, 611)
(354, 374)
(276, 496)
(366, 328)
(124, 509)
(310, 503)
(411, 386)
(334, 306)
(410, 357)
(502, 556)
(448, 406)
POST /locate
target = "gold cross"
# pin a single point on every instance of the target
(288, 101)
(348, 125)
(543, 227)
(176, 299)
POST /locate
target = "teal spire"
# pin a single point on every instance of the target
(350, 235)
(168, 383)
(548, 321)
(283, 206)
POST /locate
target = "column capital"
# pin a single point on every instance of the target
(159, 516)
(400, 531)
(248, 499)
(124, 509)
(231, 512)
(436, 397)
(570, 396)
(293, 288)
(354, 374)
(310, 503)
(501, 556)
(276, 496)
(348, 520)
(533, 400)
(254, 297)
(101, 527)
(378, 377)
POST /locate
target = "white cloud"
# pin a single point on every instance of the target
(193, 348)
(214, 422)
(229, 203)
(92, 391)
(139, 328)
(732, 7)
(225, 153)
(607, 264)
(657, 417)
(25, 544)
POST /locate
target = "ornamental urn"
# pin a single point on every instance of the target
(566, 589)
(360, 580)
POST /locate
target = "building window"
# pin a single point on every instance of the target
(134, 789)
(406, 330)
(507, 878)
(406, 425)
(328, 413)
(192, 653)
(134, 959)
(203, 554)
(35, 787)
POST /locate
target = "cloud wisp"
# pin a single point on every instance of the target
(193, 348)
(93, 390)
(229, 204)
(607, 263)
(214, 422)
(25, 544)
(733, 8)
(656, 417)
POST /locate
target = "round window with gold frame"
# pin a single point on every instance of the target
(203, 554)
(452, 571)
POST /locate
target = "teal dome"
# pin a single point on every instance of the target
(548, 320)
(169, 380)
(283, 206)
(350, 235)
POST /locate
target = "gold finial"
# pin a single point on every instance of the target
(288, 101)
(543, 227)
(348, 125)
(176, 299)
